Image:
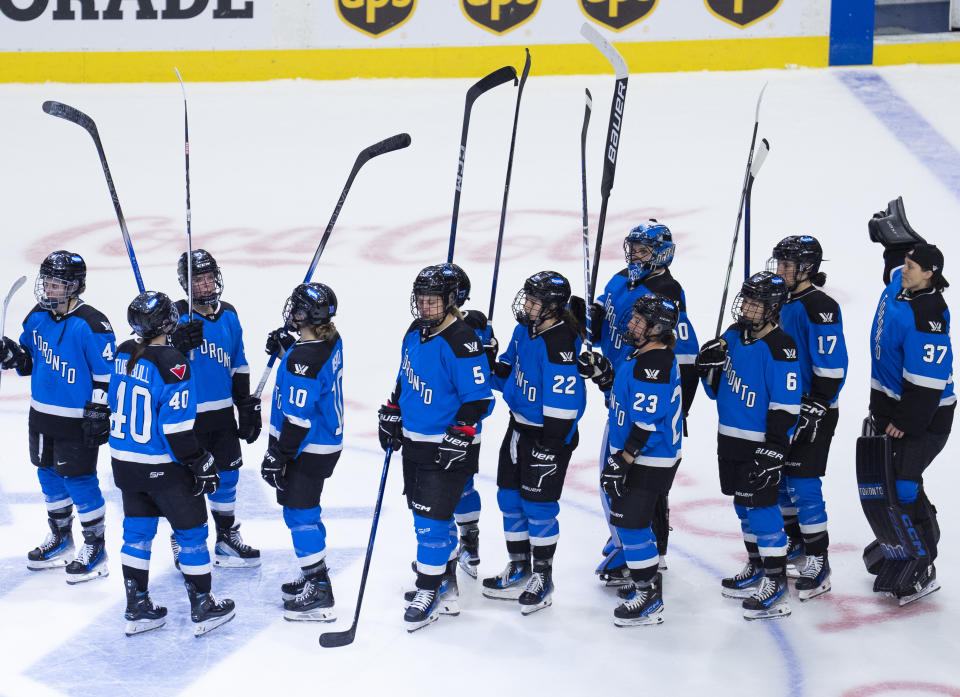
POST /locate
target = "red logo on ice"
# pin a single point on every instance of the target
(179, 370)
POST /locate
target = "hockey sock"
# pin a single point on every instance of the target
(640, 549)
(791, 524)
(544, 527)
(308, 534)
(97, 526)
(434, 545)
(140, 576)
(767, 524)
(518, 550)
(467, 511)
(61, 516)
(312, 570)
(200, 581)
(515, 529)
(749, 539)
(224, 500)
(223, 521)
(775, 566)
(86, 495)
(816, 544)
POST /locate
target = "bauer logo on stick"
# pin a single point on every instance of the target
(617, 14)
(375, 17)
(499, 16)
(742, 13)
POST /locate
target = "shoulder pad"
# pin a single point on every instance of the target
(307, 360)
(96, 320)
(34, 310)
(462, 339)
(930, 314)
(625, 272)
(227, 307)
(172, 365)
(181, 306)
(127, 346)
(560, 342)
(782, 346)
(667, 285)
(475, 319)
(654, 366)
(821, 308)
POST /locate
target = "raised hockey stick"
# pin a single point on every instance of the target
(762, 151)
(397, 142)
(743, 195)
(588, 296)
(76, 116)
(186, 155)
(613, 135)
(6, 303)
(506, 186)
(331, 640)
(497, 77)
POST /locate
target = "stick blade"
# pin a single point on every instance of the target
(606, 48)
(497, 77)
(763, 149)
(763, 89)
(69, 113)
(332, 640)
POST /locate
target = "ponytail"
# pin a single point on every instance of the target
(819, 279)
(571, 319)
(135, 355)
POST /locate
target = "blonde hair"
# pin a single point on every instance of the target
(325, 332)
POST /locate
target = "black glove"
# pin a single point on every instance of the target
(597, 314)
(188, 335)
(273, 467)
(767, 461)
(95, 424)
(812, 412)
(491, 348)
(613, 478)
(578, 308)
(249, 419)
(279, 341)
(890, 227)
(713, 354)
(453, 447)
(205, 475)
(391, 427)
(593, 365)
(12, 354)
(475, 319)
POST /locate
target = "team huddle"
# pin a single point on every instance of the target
(174, 403)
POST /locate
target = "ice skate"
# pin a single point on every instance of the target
(795, 557)
(91, 560)
(538, 593)
(56, 550)
(924, 583)
(141, 614)
(643, 605)
(768, 601)
(814, 578)
(232, 553)
(510, 583)
(292, 589)
(468, 553)
(206, 612)
(742, 584)
(314, 603)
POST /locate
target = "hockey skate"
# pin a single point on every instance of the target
(91, 560)
(427, 605)
(538, 592)
(922, 584)
(450, 605)
(56, 550)
(468, 552)
(510, 583)
(643, 606)
(744, 583)
(206, 612)
(141, 614)
(232, 553)
(814, 578)
(314, 603)
(292, 589)
(768, 601)
(795, 558)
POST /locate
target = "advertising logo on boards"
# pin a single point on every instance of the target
(617, 14)
(499, 16)
(742, 13)
(375, 17)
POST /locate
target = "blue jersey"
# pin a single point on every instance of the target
(220, 371)
(646, 400)
(306, 415)
(152, 414)
(911, 374)
(813, 319)
(71, 355)
(757, 393)
(438, 374)
(540, 383)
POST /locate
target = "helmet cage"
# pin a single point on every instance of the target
(203, 263)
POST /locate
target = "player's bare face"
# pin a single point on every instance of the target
(430, 307)
(914, 276)
(204, 284)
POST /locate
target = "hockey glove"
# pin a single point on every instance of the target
(12, 355)
(249, 419)
(613, 477)
(187, 336)
(95, 424)
(390, 428)
(812, 412)
(273, 467)
(595, 366)
(890, 227)
(279, 341)
(205, 475)
(475, 319)
(767, 461)
(452, 453)
(713, 354)
(491, 347)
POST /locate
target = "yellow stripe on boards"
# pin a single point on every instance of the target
(931, 52)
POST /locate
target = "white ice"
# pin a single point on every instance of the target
(268, 162)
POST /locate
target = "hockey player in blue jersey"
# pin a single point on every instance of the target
(159, 466)
(814, 321)
(649, 250)
(753, 374)
(213, 342)
(441, 396)
(645, 436)
(67, 349)
(538, 377)
(306, 438)
(912, 397)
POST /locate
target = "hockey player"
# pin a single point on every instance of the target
(646, 408)
(67, 349)
(213, 342)
(812, 318)
(159, 466)
(441, 395)
(538, 377)
(912, 396)
(753, 374)
(649, 250)
(306, 438)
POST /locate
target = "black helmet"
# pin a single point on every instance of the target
(66, 267)
(546, 291)
(463, 283)
(803, 250)
(203, 262)
(151, 314)
(770, 290)
(439, 280)
(309, 305)
(660, 316)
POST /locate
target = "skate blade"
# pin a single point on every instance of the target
(320, 614)
(646, 621)
(932, 588)
(793, 571)
(737, 593)
(771, 613)
(99, 572)
(616, 581)
(449, 607)
(662, 564)
(226, 561)
(812, 593)
(510, 593)
(140, 626)
(56, 563)
(414, 626)
(469, 566)
(201, 628)
(530, 609)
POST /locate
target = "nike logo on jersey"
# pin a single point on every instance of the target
(179, 370)
(300, 369)
(791, 354)
(935, 326)
(827, 317)
(472, 346)
(566, 356)
(651, 374)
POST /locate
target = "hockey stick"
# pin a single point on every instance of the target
(497, 77)
(397, 142)
(613, 135)
(186, 155)
(762, 151)
(506, 186)
(588, 297)
(331, 640)
(76, 116)
(6, 302)
(743, 194)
